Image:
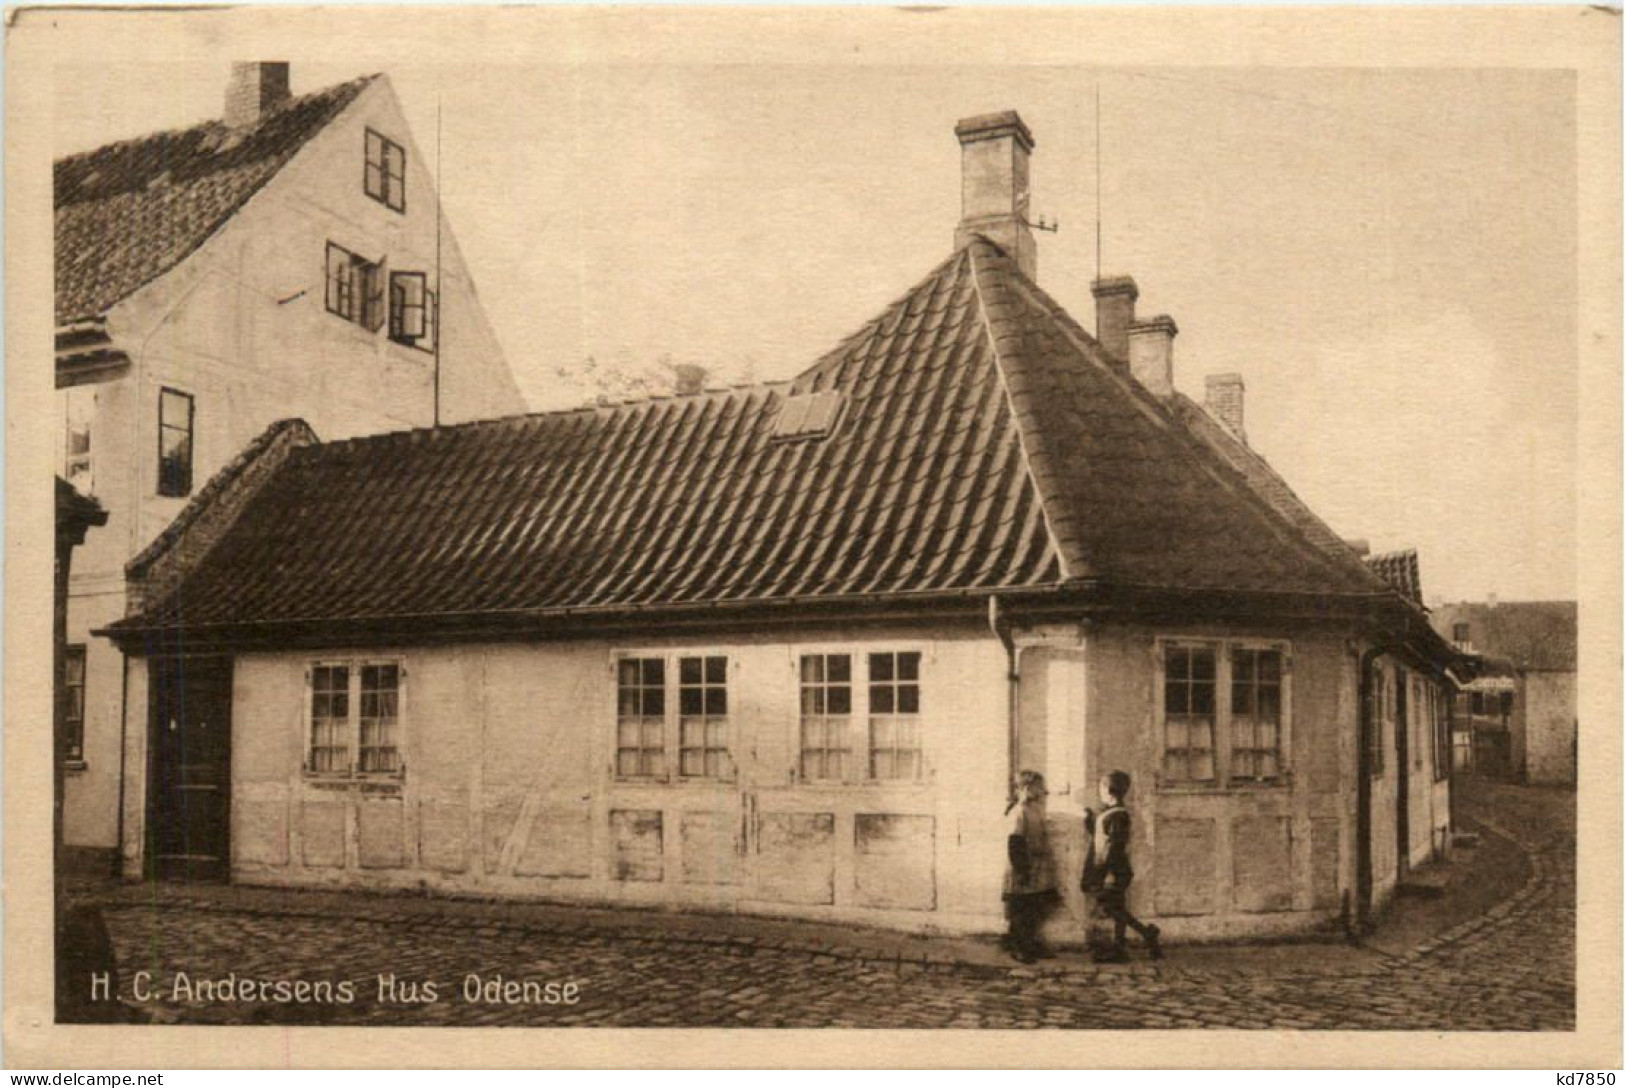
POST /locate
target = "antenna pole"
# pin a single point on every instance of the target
(1097, 177)
(439, 195)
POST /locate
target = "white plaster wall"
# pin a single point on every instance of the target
(508, 787)
(242, 327)
(1550, 711)
(1222, 861)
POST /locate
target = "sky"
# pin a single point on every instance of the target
(1388, 256)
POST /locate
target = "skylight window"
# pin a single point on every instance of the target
(809, 415)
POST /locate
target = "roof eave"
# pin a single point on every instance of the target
(1075, 599)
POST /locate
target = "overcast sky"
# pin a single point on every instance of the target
(1386, 255)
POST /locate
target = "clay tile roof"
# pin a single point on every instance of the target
(984, 442)
(128, 212)
(1262, 477)
(1401, 570)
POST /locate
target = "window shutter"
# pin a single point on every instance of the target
(396, 295)
(408, 303)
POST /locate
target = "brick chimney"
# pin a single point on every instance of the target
(255, 89)
(1114, 313)
(1151, 353)
(994, 149)
(1225, 400)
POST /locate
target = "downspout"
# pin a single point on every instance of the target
(999, 623)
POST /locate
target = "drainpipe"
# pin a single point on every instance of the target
(999, 623)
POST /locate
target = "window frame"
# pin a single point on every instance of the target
(822, 685)
(79, 417)
(671, 717)
(176, 485)
(1225, 777)
(857, 772)
(429, 340)
(353, 720)
(382, 167)
(73, 724)
(360, 296)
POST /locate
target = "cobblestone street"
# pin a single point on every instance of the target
(1503, 960)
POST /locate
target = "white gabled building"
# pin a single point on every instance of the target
(280, 260)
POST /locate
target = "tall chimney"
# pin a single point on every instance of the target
(1151, 353)
(1226, 398)
(255, 89)
(1114, 313)
(994, 149)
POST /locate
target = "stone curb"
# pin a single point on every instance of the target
(1508, 910)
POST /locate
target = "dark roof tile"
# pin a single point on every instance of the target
(128, 212)
(1400, 570)
(984, 443)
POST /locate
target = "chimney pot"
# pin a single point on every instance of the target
(1114, 313)
(256, 88)
(1226, 402)
(1151, 354)
(1360, 544)
(994, 153)
(690, 379)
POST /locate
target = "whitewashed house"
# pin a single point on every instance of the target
(782, 648)
(280, 260)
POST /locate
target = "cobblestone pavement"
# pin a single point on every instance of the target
(1507, 967)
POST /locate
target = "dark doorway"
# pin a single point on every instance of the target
(189, 799)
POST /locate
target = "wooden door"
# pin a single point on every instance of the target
(189, 799)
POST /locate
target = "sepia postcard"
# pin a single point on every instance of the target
(1035, 536)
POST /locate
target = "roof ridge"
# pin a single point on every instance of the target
(996, 318)
(178, 130)
(1164, 416)
(1342, 550)
(844, 343)
(741, 390)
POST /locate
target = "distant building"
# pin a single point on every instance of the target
(279, 260)
(785, 648)
(1520, 718)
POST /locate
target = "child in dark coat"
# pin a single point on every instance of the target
(1029, 877)
(1107, 871)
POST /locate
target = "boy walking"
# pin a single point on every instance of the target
(1107, 871)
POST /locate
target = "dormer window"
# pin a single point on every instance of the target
(808, 415)
(386, 171)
